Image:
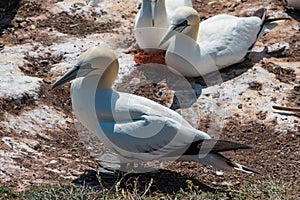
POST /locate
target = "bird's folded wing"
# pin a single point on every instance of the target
(229, 43)
(150, 137)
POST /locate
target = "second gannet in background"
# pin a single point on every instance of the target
(152, 14)
(134, 127)
(152, 21)
(220, 41)
(157, 13)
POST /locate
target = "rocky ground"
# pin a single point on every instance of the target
(41, 40)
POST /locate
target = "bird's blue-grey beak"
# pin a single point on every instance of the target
(169, 34)
(69, 76)
(153, 8)
(173, 30)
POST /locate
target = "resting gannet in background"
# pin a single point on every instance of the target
(152, 21)
(220, 41)
(134, 127)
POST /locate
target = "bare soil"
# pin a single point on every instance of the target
(275, 155)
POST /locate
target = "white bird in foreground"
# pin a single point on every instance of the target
(220, 41)
(152, 21)
(134, 127)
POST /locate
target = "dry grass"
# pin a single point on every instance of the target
(130, 190)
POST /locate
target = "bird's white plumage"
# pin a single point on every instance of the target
(130, 124)
(164, 10)
(172, 5)
(134, 127)
(220, 41)
(127, 123)
(148, 35)
(227, 38)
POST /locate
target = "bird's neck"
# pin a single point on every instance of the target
(161, 3)
(145, 19)
(108, 77)
(161, 19)
(192, 31)
(103, 81)
(188, 3)
(146, 7)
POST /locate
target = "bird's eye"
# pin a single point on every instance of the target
(86, 66)
(181, 26)
(184, 23)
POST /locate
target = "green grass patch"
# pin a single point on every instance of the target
(60, 192)
(7, 194)
(269, 189)
(275, 190)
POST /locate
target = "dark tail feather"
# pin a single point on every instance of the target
(207, 152)
(213, 146)
(220, 162)
(269, 20)
(261, 13)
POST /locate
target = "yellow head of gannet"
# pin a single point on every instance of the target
(185, 20)
(96, 61)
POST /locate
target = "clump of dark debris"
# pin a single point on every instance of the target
(285, 75)
(8, 10)
(58, 98)
(16, 105)
(293, 53)
(27, 27)
(294, 97)
(77, 25)
(158, 92)
(40, 66)
(255, 85)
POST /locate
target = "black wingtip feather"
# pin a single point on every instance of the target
(214, 146)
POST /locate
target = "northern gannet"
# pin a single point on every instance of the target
(134, 127)
(152, 21)
(201, 48)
